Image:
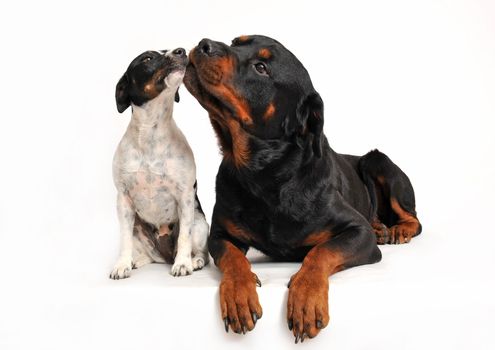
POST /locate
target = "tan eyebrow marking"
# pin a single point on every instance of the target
(243, 38)
(264, 53)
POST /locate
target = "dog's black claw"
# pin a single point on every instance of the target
(290, 324)
(288, 283)
(244, 329)
(258, 282)
(255, 317)
(319, 324)
(226, 322)
(302, 337)
(297, 338)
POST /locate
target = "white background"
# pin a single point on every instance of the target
(415, 79)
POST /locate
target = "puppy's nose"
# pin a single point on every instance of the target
(210, 48)
(179, 52)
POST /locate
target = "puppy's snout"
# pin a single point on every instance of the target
(210, 48)
(179, 52)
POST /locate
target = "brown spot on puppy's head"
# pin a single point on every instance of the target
(145, 77)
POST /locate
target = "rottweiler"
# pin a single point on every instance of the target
(281, 189)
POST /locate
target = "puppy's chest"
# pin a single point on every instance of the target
(154, 196)
(154, 181)
(144, 183)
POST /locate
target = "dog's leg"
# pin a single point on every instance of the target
(239, 302)
(126, 215)
(391, 191)
(199, 233)
(183, 264)
(307, 304)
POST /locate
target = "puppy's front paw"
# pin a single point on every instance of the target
(182, 266)
(122, 269)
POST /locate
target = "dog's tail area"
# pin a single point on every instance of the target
(391, 192)
(368, 173)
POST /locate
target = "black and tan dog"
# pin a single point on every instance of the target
(282, 189)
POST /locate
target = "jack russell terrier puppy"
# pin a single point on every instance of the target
(160, 216)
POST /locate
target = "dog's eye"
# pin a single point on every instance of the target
(261, 68)
(146, 59)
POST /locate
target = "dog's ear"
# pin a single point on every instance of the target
(177, 97)
(309, 121)
(315, 121)
(122, 94)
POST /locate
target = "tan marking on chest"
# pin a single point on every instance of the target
(240, 143)
(237, 232)
(317, 237)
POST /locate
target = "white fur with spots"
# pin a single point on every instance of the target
(154, 172)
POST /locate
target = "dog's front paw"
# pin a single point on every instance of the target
(307, 305)
(182, 266)
(239, 301)
(122, 269)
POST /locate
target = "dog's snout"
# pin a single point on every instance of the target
(210, 48)
(179, 52)
(205, 46)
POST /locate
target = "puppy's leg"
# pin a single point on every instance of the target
(144, 250)
(183, 264)
(141, 260)
(126, 215)
(199, 233)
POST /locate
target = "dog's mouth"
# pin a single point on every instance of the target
(194, 84)
(207, 79)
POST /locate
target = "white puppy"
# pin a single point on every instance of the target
(159, 213)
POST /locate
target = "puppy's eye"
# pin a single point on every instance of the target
(261, 68)
(146, 59)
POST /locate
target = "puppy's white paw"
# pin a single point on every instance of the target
(198, 262)
(122, 269)
(182, 266)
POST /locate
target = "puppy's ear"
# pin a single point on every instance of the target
(309, 121)
(177, 97)
(122, 94)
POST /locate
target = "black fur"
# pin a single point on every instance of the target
(294, 184)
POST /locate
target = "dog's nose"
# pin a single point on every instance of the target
(210, 48)
(179, 52)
